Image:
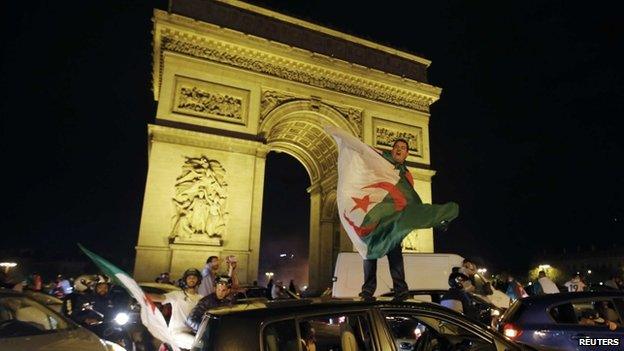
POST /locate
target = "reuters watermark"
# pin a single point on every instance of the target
(599, 342)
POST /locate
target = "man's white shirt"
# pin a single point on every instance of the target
(181, 306)
(548, 286)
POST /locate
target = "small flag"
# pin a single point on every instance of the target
(151, 317)
(378, 207)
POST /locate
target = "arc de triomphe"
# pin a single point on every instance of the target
(234, 82)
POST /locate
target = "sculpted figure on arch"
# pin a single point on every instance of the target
(200, 200)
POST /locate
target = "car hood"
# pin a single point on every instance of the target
(78, 339)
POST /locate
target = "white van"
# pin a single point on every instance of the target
(423, 271)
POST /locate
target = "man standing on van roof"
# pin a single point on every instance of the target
(378, 206)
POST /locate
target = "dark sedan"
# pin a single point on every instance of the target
(567, 321)
(319, 324)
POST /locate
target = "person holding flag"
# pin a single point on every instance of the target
(182, 303)
(151, 317)
(378, 206)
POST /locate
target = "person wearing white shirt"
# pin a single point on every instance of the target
(575, 284)
(182, 302)
(548, 286)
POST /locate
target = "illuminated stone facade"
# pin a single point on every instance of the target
(227, 98)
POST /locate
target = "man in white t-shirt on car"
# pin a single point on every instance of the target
(575, 284)
(547, 285)
(182, 302)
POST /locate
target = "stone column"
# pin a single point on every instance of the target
(316, 257)
(256, 213)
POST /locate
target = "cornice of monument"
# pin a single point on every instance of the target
(203, 140)
(325, 30)
(201, 40)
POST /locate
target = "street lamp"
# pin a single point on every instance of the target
(481, 271)
(7, 265)
(269, 275)
(589, 271)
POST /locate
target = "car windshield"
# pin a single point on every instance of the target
(21, 316)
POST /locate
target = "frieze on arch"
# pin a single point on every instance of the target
(273, 65)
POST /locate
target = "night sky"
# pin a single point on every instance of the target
(525, 136)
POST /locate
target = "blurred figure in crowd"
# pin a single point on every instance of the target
(515, 290)
(544, 285)
(72, 303)
(291, 287)
(270, 289)
(575, 284)
(614, 283)
(34, 282)
(62, 287)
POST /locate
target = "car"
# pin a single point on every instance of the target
(488, 312)
(50, 301)
(566, 321)
(28, 325)
(331, 324)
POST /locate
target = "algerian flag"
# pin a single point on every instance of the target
(378, 207)
(151, 317)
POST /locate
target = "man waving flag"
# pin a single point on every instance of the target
(378, 207)
(151, 317)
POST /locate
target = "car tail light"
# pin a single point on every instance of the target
(511, 330)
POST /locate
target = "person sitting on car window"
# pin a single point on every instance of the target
(456, 298)
(222, 296)
(606, 311)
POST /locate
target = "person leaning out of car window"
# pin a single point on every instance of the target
(591, 317)
(456, 298)
(222, 296)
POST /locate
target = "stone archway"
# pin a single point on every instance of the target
(296, 127)
(229, 92)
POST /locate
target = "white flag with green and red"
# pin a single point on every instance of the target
(378, 207)
(151, 317)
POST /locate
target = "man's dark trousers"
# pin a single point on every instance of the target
(397, 272)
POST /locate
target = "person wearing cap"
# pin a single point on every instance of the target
(211, 272)
(182, 303)
(456, 298)
(222, 296)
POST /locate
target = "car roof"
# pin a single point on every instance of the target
(553, 298)
(263, 307)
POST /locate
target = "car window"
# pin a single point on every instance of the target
(589, 312)
(21, 316)
(280, 336)
(412, 332)
(336, 332)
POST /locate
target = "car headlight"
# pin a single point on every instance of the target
(122, 318)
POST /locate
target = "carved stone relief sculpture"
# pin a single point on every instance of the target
(200, 201)
(210, 100)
